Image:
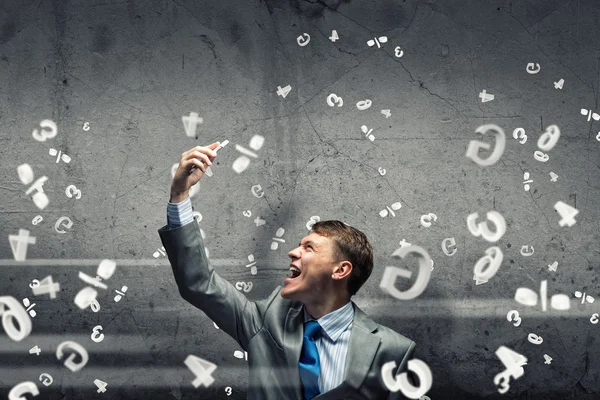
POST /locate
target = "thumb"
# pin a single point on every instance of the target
(214, 145)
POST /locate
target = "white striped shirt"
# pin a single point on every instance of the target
(332, 345)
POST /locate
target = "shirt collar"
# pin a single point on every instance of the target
(336, 322)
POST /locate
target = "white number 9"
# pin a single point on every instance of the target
(17, 392)
(482, 229)
(494, 258)
(14, 311)
(79, 349)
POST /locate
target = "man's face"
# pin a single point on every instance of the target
(315, 260)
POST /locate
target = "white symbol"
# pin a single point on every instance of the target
(559, 84)
(333, 99)
(47, 379)
(255, 191)
(159, 252)
(598, 136)
(190, 123)
(533, 68)
(476, 145)
(245, 286)
(19, 243)
(252, 264)
(242, 162)
(303, 39)
(479, 281)
(259, 221)
(400, 381)
(34, 283)
(13, 315)
(86, 126)
(547, 358)
(60, 221)
(367, 132)
(553, 176)
(590, 114)
(513, 362)
(35, 350)
(96, 335)
(101, 385)
(426, 219)
(519, 133)
(46, 286)
(29, 306)
(514, 314)
(381, 171)
(404, 243)
(37, 219)
(26, 177)
(44, 134)
(279, 234)
(578, 294)
(527, 181)
(493, 258)
(390, 274)
(283, 92)
(528, 297)
(18, 392)
(542, 157)
(86, 297)
(364, 104)
(241, 355)
(451, 242)
(567, 213)
(72, 190)
(552, 267)
(247, 213)
(228, 388)
(594, 319)
(482, 228)
(313, 220)
(201, 369)
(120, 294)
(485, 96)
(58, 153)
(549, 138)
(387, 113)
(527, 250)
(535, 339)
(372, 42)
(398, 52)
(78, 349)
(396, 206)
(334, 36)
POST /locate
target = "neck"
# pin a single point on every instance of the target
(319, 309)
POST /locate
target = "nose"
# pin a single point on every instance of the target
(295, 253)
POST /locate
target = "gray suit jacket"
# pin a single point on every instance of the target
(271, 330)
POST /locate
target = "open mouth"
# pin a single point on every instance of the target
(294, 272)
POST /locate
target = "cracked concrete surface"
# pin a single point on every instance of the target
(133, 68)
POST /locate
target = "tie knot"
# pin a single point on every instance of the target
(312, 329)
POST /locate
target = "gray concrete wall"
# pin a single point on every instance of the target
(131, 70)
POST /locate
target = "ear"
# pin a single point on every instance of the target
(342, 270)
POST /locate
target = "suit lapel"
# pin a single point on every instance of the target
(292, 341)
(362, 348)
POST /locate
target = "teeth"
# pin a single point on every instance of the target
(294, 269)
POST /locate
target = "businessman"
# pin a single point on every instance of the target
(307, 340)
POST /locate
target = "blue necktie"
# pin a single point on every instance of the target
(309, 364)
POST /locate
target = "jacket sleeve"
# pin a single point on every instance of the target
(202, 287)
(403, 367)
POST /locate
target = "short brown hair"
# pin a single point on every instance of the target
(351, 245)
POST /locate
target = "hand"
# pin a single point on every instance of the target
(198, 156)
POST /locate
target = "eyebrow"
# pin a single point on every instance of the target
(308, 242)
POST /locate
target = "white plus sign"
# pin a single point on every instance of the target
(18, 244)
(403, 243)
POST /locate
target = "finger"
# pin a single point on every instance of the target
(195, 162)
(202, 156)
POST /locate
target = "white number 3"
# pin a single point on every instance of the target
(482, 229)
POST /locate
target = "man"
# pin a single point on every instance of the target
(306, 340)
